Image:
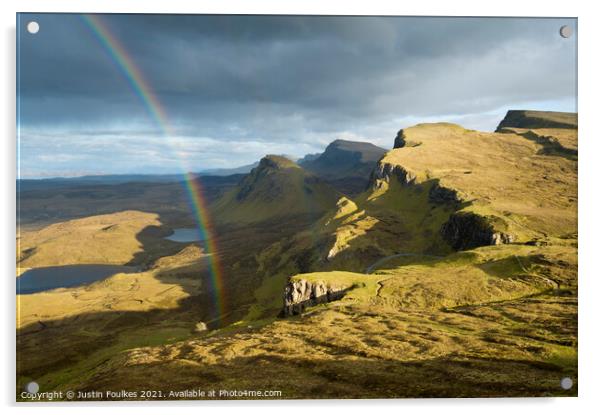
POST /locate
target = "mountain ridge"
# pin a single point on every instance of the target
(277, 187)
(346, 165)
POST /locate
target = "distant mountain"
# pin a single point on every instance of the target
(24, 185)
(346, 165)
(308, 157)
(227, 172)
(276, 187)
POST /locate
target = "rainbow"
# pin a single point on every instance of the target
(149, 99)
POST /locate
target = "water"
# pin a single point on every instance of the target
(185, 235)
(48, 278)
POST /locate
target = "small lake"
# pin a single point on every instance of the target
(48, 278)
(185, 235)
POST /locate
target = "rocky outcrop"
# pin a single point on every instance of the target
(385, 171)
(469, 230)
(200, 327)
(400, 140)
(442, 195)
(300, 294)
(437, 194)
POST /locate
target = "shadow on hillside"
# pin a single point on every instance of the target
(345, 376)
(408, 222)
(47, 205)
(52, 346)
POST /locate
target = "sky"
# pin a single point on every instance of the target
(235, 88)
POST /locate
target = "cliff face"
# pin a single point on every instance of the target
(467, 231)
(400, 140)
(299, 294)
(462, 230)
(384, 172)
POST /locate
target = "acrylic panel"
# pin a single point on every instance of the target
(295, 207)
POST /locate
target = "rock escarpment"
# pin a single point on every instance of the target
(442, 195)
(469, 230)
(549, 143)
(463, 230)
(384, 172)
(299, 294)
(400, 140)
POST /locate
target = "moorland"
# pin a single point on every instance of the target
(443, 267)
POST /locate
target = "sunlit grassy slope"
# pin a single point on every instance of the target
(510, 181)
(70, 330)
(276, 188)
(528, 193)
(539, 119)
(495, 321)
(105, 239)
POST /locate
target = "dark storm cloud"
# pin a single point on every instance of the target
(277, 80)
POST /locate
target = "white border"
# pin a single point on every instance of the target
(590, 203)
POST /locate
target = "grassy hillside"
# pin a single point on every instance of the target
(539, 119)
(276, 188)
(67, 332)
(482, 183)
(127, 237)
(479, 323)
(523, 190)
(454, 274)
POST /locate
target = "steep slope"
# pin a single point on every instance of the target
(346, 164)
(276, 188)
(443, 188)
(556, 132)
(538, 119)
(507, 187)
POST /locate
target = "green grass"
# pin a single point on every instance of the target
(274, 191)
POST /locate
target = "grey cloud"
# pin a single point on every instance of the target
(289, 80)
